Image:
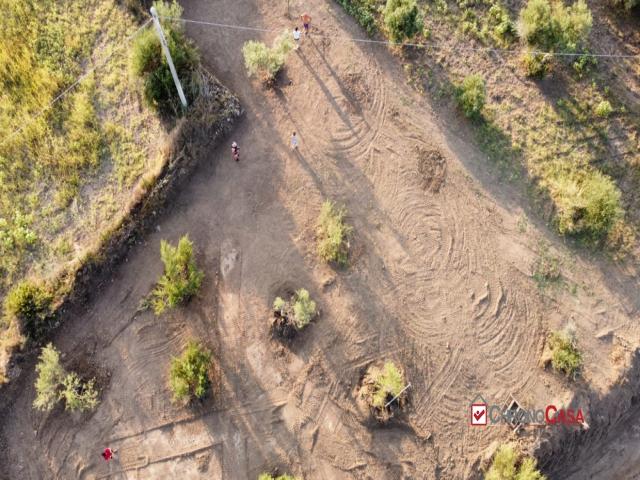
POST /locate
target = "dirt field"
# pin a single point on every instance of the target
(439, 280)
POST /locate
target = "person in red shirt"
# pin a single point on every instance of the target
(108, 454)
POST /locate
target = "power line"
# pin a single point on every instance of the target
(71, 87)
(403, 44)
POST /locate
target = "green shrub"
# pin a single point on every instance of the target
(528, 470)
(588, 203)
(402, 19)
(189, 374)
(503, 29)
(268, 476)
(54, 384)
(583, 64)
(385, 384)
(299, 310)
(181, 279)
(279, 304)
(148, 61)
(505, 466)
(536, 65)
(50, 378)
(79, 395)
(363, 11)
(303, 308)
(471, 95)
(333, 233)
(30, 304)
(264, 61)
(604, 109)
(565, 357)
(546, 268)
(550, 25)
(536, 24)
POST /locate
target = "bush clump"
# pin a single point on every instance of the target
(149, 62)
(402, 19)
(79, 395)
(507, 464)
(269, 476)
(363, 11)
(50, 378)
(565, 356)
(552, 26)
(502, 27)
(54, 383)
(380, 386)
(604, 109)
(333, 233)
(189, 374)
(264, 61)
(471, 95)
(181, 279)
(536, 65)
(588, 202)
(291, 316)
(30, 304)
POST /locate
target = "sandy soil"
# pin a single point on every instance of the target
(439, 281)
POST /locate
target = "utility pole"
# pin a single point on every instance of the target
(167, 53)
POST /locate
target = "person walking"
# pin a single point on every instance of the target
(294, 141)
(306, 22)
(235, 151)
(296, 37)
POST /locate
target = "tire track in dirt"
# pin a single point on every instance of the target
(437, 271)
(444, 284)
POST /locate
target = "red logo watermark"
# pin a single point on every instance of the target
(483, 413)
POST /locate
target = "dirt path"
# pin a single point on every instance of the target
(439, 280)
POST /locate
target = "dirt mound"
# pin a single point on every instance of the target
(432, 168)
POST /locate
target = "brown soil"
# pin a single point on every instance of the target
(441, 283)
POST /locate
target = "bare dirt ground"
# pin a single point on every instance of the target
(439, 280)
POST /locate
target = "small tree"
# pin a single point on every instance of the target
(536, 65)
(293, 315)
(508, 465)
(333, 233)
(50, 377)
(189, 374)
(380, 386)
(471, 95)
(30, 304)
(588, 202)
(402, 19)
(181, 280)
(264, 61)
(565, 356)
(553, 26)
(54, 384)
(536, 24)
(604, 109)
(79, 395)
(303, 308)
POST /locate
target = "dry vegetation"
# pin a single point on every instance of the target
(65, 176)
